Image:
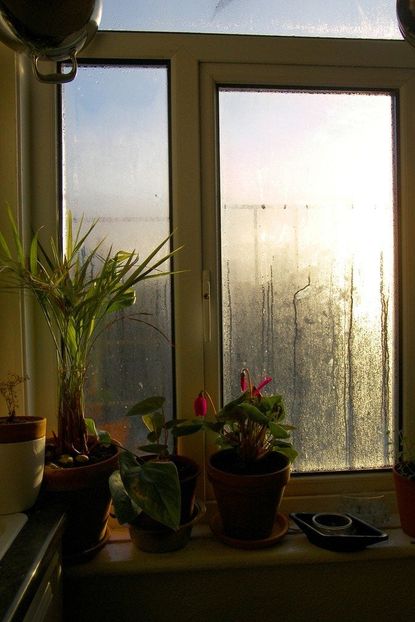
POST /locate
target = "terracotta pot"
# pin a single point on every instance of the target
(248, 503)
(405, 496)
(22, 458)
(85, 494)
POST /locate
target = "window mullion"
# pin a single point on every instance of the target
(186, 193)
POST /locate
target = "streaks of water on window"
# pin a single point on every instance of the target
(320, 324)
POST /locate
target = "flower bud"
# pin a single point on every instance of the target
(200, 405)
(244, 384)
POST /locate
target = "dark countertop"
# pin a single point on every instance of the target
(23, 566)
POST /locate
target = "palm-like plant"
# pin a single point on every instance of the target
(76, 290)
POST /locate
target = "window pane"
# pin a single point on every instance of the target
(115, 167)
(365, 19)
(307, 209)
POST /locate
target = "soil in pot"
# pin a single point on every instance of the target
(248, 499)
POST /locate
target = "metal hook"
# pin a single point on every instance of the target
(55, 78)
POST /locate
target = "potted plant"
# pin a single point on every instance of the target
(22, 451)
(252, 467)
(155, 494)
(404, 480)
(79, 292)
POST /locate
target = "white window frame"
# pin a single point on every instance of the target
(198, 63)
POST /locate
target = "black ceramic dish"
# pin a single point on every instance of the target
(359, 536)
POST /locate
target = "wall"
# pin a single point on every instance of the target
(11, 350)
(208, 581)
(334, 593)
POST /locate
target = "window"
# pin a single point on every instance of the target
(307, 222)
(371, 19)
(207, 74)
(115, 168)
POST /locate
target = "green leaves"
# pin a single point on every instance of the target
(152, 486)
(252, 424)
(103, 436)
(277, 430)
(147, 406)
(152, 414)
(253, 413)
(126, 510)
(187, 428)
(287, 449)
(77, 291)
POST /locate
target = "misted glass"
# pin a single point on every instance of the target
(115, 168)
(307, 212)
(358, 19)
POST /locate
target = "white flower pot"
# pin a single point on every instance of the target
(22, 458)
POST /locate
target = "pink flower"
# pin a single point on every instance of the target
(244, 384)
(263, 383)
(200, 405)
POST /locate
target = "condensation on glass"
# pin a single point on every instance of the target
(307, 220)
(359, 19)
(115, 168)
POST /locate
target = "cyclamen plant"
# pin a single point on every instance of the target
(252, 424)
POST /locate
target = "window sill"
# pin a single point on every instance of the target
(205, 552)
(209, 581)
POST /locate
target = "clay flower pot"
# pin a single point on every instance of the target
(84, 493)
(248, 502)
(405, 496)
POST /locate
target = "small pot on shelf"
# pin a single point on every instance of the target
(404, 480)
(22, 458)
(156, 498)
(160, 539)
